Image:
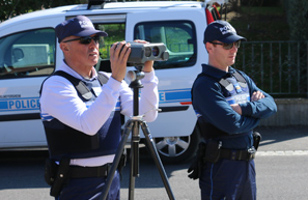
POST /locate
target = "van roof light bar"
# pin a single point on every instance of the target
(98, 2)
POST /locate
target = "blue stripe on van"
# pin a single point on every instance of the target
(32, 103)
(15, 104)
(174, 96)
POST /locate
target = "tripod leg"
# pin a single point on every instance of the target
(134, 165)
(135, 147)
(151, 145)
(116, 160)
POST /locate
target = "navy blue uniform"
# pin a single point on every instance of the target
(228, 179)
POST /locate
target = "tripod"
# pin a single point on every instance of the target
(132, 126)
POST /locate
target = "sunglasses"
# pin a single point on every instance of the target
(85, 40)
(228, 46)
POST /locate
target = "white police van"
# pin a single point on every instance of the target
(29, 52)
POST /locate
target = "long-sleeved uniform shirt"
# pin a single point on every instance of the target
(210, 104)
(59, 99)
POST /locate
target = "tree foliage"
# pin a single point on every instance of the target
(297, 14)
(11, 8)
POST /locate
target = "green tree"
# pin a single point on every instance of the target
(11, 8)
(297, 14)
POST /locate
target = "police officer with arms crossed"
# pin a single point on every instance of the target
(229, 106)
(81, 108)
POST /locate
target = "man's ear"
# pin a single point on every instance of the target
(208, 46)
(64, 47)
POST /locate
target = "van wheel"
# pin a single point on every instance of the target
(178, 149)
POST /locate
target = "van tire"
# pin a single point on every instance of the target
(174, 150)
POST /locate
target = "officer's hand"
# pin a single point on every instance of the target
(257, 96)
(119, 53)
(193, 171)
(148, 65)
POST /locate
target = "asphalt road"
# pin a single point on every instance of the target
(281, 167)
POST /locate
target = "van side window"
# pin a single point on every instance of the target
(116, 32)
(28, 54)
(179, 38)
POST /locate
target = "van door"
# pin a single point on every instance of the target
(26, 59)
(182, 32)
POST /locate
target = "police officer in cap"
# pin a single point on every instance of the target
(229, 106)
(81, 108)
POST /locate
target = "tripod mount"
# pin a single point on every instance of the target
(133, 126)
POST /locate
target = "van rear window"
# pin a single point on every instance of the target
(178, 36)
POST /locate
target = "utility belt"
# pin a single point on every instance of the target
(58, 175)
(244, 155)
(87, 172)
(212, 151)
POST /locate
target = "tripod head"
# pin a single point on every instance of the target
(135, 76)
